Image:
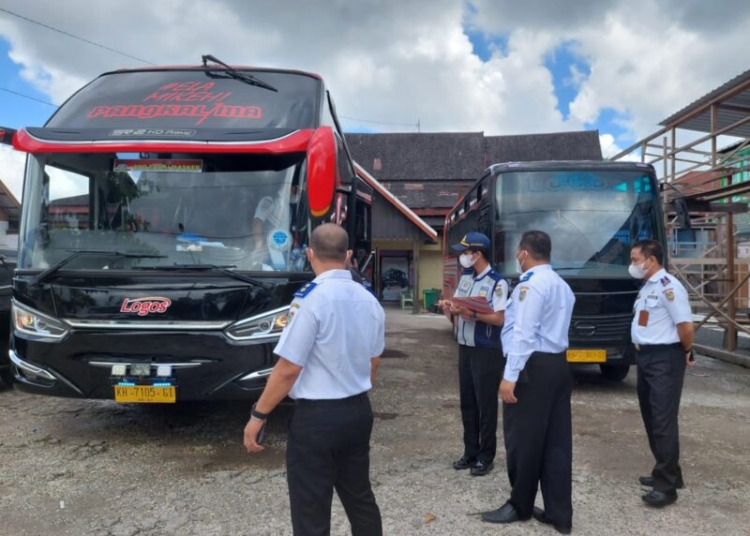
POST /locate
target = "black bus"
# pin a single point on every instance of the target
(593, 212)
(165, 217)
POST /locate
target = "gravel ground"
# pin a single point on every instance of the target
(72, 467)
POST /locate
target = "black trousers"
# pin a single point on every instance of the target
(329, 448)
(661, 372)
(539, 438)
(479, 373)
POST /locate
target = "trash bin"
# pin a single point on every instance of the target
(430, 298)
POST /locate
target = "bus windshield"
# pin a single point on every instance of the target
(591, 216)
(186, 100)
(180, 210)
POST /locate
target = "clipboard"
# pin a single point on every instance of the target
(479, 305)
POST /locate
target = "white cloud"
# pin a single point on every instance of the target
(401, 61)
(11, 169)
(610, 149)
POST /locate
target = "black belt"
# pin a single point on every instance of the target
(648, 347)
(331, 401)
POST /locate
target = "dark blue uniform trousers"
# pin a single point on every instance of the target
(661, 372)
(539, 438)
(479, 373)
(328, 448)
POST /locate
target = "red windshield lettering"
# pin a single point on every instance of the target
(199, 111)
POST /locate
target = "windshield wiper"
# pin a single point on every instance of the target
(215, 267)
(238, 75)
(43, 276)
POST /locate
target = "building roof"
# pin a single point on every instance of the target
(583, 145)
(432, 170)
(733, 104)
(419, 157)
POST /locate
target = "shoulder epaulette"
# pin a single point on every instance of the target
(526, 277)
(665, 281)
(305, 289)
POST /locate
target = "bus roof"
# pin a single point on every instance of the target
(567, 165)
(212, 68)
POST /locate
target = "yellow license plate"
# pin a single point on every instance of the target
(145, 394)
(587, 356)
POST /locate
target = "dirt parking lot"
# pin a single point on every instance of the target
(73, 467)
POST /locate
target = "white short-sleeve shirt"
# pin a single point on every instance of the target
(335, 328)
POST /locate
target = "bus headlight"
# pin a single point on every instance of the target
(266, 326)
(36, 324)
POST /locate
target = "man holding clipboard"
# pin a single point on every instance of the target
(479, 303)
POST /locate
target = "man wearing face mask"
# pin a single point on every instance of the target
(480, 358)
(536, 391)
(662, 334)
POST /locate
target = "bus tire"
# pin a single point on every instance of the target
(614, 373)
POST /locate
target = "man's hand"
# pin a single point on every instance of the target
(463, 312)
(507, 390)
(444, 304)
(690, 358)
(252, 429)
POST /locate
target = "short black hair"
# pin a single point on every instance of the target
(329, 242)
(650, 248)
(538, 244)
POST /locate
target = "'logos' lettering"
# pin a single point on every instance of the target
(146, 306)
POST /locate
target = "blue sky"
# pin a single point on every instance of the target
(18, 111)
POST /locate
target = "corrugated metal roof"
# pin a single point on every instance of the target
(733, 100)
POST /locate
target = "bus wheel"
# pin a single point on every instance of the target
(614, 373)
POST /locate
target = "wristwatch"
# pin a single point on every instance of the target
(254, 413)
(473, 314)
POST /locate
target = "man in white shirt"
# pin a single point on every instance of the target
(536, 390)
(327, 363)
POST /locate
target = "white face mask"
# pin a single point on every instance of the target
(519, 264)
(637, 270)
(467, 260)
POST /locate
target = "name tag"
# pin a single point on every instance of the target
(652, 300)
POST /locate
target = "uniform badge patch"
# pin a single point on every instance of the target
(522, 293)
(305, 290)
(482, 293)
(669, 294)
(499, 290)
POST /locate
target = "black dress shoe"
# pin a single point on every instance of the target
(463, 463)
(481, 468)
(507, 513)
(542, 518)
(648, 481)
(659, 499)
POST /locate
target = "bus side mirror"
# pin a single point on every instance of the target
(322, 174)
